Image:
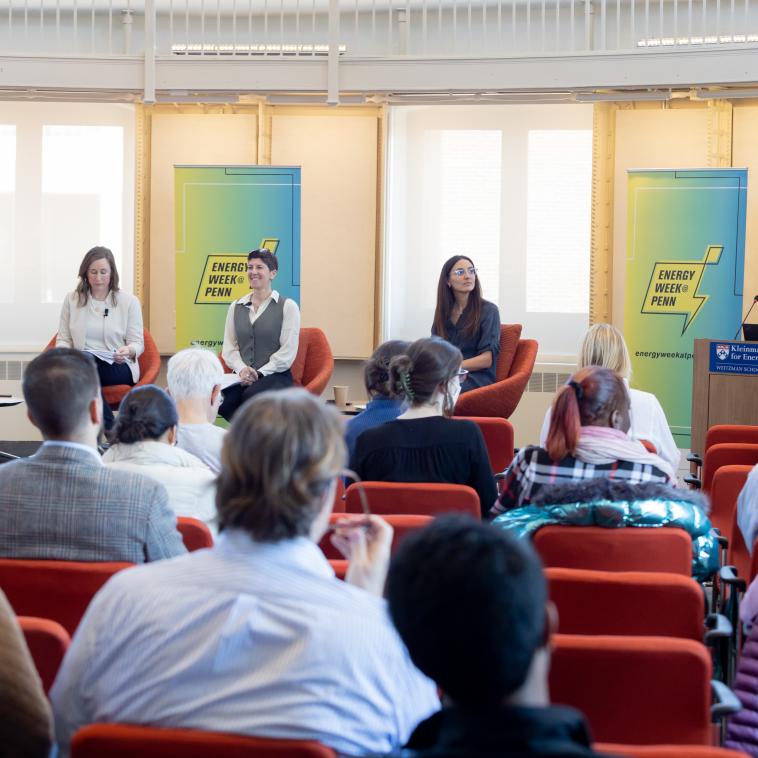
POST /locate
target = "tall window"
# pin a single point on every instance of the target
(76, 190)
(508, 186)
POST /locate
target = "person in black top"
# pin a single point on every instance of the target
(470, 603)
(421, 445)
(470, 323)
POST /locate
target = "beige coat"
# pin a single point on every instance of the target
(123, 326)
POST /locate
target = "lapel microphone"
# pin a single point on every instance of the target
(105, 315)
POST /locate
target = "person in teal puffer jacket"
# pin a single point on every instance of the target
(616, 503)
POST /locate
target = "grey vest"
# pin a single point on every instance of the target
(259, 341)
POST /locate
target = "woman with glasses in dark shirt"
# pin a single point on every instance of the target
(467, 321)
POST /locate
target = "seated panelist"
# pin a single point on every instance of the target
(103, 320)
(260, 336)
(467, 321)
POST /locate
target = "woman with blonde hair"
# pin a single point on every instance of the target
(604, 346)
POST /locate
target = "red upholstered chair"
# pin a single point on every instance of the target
(666, 751)
(635, 690)
(726, 454)
(313, 364)
(127, 741)
(339, 497)
(428, 499)
(627, 603)
(498, 437)
(726, 486)
(47, 642)
(402, 525)
(149, 367)
(57, 590)
(514, 367)
(723, 433)
(623, 549)
(195, 534)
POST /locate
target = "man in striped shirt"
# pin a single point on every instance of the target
(256, 635)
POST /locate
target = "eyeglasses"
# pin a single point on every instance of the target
(462, 374)
(462, 271)
(361, 523)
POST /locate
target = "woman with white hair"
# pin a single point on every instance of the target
(194, 382)
(604, 346)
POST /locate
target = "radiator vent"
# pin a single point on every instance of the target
(12, 370)
(546, 381)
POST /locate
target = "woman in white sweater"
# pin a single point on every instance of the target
(99, 318)
(143, 441)
(604, 346)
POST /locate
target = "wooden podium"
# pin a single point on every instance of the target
(724, 390)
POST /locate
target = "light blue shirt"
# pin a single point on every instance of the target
(249, 638)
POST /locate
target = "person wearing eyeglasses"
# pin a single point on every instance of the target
(422, 444)
(256, 635)
(466, 320)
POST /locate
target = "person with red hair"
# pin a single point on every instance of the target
(587, 439)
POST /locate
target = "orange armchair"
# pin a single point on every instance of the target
(149, 367)
(313, 364)
(514, 367)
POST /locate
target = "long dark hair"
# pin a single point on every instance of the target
(472, 313)
(590, 394)
(92, 255)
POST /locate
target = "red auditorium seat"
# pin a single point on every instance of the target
(195, 534)
(127, 741)
(48, 642)
(57, 590)
(498, 437)
(623, 549)
(667, 751)
(429, 499)
(627, 603)
(635, 690)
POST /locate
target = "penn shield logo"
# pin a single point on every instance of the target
(722, 352)
(224, 277)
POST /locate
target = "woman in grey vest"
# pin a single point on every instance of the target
(261, 335)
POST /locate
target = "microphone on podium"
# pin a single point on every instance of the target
(744, 320)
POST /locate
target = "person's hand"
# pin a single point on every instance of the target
(365, 541)
(122, 354)
(248, 375)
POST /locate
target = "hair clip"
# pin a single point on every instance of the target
(405, 383)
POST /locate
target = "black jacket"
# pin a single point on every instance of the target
(506, 732)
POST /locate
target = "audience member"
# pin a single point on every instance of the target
(587, 438)
(382, 406)
(421, 445)
(26, 724)
(194, 381)
(604, 346)
(261, 335)
(144, 440)
(616, 503)
(465, 319)
(470, 603)
(63, 503)
(256, 635)
(102, 319)
(742, 730)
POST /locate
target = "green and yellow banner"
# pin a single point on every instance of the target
(221, 214)
(684, 271)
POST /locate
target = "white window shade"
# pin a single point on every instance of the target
(73, 189)
(510, 187)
